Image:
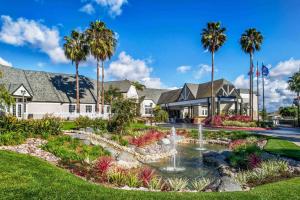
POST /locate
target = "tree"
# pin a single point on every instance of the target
(294, 85)
(5, 98)
(160, 115)
(76, 50)
(289, 111)
(124, 114)
(112, 94)
(102, 44)
(212, 38)
(138, 85)
(251, 41)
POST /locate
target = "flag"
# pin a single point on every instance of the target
(257, 72)
(264, 70)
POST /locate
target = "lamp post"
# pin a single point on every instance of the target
(23, 92)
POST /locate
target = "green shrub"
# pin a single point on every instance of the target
(201, 184)
(177, 184)
(99, 124)
(239, 124)
(70, 149)
(117, 177)
(132, 180)
(156, 183)
(160, 115)
(83, 122)
(119, 139)
(11, 138)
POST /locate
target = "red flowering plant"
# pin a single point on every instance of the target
(237, 143)
(146, 175)
(217, 120)
(253, 161)
(148, 138)
(103, 165)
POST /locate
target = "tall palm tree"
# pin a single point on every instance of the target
(294, 85)
(76, 50)
(212, 38)
(251, 41)
(102, 43)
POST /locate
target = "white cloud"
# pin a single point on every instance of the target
(285, 68)
(23, 32)
(132, 69)
(88, 9)
(202, 70)
(40, 64)
(114, 6)
(5, 62)
(276, 87)
(183, 68)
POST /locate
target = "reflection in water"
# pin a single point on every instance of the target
(190, 159)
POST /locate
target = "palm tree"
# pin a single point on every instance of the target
(102, 45)
(294, 85)
(76, 50)
(251, 41)
(212, 38)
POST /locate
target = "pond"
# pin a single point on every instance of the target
(189, 159)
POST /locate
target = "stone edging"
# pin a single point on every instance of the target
(98, 140)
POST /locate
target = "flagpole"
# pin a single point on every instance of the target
(257, 82)
(263, 82)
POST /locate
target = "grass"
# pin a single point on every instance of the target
(26, 177)
(283, 148)
(68, 125)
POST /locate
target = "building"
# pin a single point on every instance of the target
(193, 101)
(38, 93)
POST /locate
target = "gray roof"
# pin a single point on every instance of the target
(54, 87)
(245, 91)
(151, 94)
(199, 91)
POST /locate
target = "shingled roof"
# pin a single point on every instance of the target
(199, 91)
(54, 87)
(151, 94)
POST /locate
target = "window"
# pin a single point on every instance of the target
(148, 109)
(71, 108)
(24, 107)
(14, 110)
(19, 110)
(204, 112)
(88, 108)
(108, 109)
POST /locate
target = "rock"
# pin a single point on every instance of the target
(126, 157)
(165, 141)
(112, 151)
(228, 184)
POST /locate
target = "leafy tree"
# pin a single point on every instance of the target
(76, 50)
(289, 111)
(102, 44)
(5, 98)
(251, 41)
(112, 94)
(294, 85)
(160, 115)
(138, 85)
(212, 38)
(124, 114)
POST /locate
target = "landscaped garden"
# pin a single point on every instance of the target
(150, 158)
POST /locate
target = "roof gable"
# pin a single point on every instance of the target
(186, 94)
(21, 91)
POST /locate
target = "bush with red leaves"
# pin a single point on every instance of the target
(217, 120)
(237, 143)
(254, 160)
(148, 138)
(103, 165)
(146, 175)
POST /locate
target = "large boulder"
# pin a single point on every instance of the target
(126, 157)
(228, 184)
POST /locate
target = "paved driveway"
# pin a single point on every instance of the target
(290, 134)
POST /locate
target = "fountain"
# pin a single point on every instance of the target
(201, 142)
(173, 167)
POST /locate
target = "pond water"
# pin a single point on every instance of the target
(189, 158)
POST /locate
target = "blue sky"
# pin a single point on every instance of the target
(155, 38)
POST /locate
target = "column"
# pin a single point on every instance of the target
(218, 106)
(208, 107)
(236, 106)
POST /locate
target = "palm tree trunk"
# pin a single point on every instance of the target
(298, 109)
(251, 88)
(98, 88)
(102, 96)
(212, 105)
(77, 90)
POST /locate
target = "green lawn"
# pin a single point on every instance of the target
(26, 177)
(68, 125)
(283, 147)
